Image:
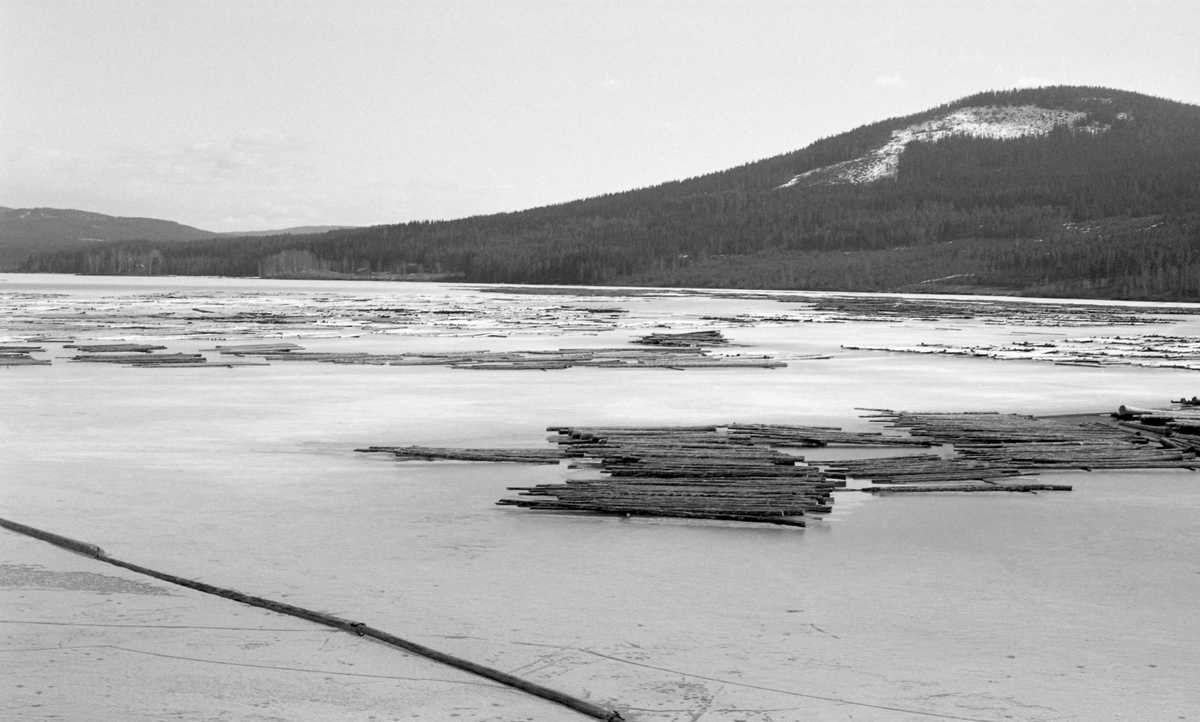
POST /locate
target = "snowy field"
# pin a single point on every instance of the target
(1054, 606)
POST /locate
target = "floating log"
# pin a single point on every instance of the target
(783, 435)
(966, 487)
(116, 348)
(358, 628)
(147, 359)
(255, 349)
(519, 456)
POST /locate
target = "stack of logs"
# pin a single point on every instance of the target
(727, 472)
(131, 354)
(143, 356)
(608, 358)
(1175, 428)
(20, 356)
(787, 435)
(991, 449)
(732, 472)
(432, 453)
(691, 339)
(693, 472)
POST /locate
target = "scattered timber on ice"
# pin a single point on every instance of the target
(726, 472)
(1007, 313)
(1148, 351)
(429, 453)
(21, 356)
(116, 347)
(967, 488)
(692, 339)
(608, 358)
(992, 446)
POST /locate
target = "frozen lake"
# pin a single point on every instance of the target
(1075, 605)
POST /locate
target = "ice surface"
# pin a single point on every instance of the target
(1019, 606)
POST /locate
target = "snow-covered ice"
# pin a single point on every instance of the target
(1027, 607)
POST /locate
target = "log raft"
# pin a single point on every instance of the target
(14, 355)
(734, 472)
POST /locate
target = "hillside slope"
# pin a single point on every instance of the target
(25, 232)
(28, 230)
(1053, 191)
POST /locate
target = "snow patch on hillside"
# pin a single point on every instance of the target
(998, 122)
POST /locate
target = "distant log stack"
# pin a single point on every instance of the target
(894, 308)
(429, 453)
(143, 356)
(116, 347)
(257, 349)
(968, 488)
(143, 359)
(609, 358)
(691, 339)
(1008, 444)
(20, 356)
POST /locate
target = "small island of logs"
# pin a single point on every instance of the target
(737, 472)
(21, 356)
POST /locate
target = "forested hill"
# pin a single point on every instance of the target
(1051, 191)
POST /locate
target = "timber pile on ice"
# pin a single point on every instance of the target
(737, 472)
(115, 347)
(691, 339)
(1175, 428)
(1026, 442)
(1007, 313)
(20, 356)
(728, 472)
(695, 472)
(430, 453)
(144, 356)
(1148, 351)
(608, 358)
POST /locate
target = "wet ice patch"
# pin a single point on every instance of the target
(30, 576)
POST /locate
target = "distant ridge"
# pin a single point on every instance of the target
(27, 231)
(293, 231)
(1058, 191)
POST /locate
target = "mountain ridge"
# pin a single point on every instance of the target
(1096, 192)
(26, 231)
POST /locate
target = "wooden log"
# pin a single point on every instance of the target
(520, 456)
(968, 488)
(116, 347)
(357, 628)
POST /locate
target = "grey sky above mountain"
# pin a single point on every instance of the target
(247, 115)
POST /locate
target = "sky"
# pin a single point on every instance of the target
(261, 114)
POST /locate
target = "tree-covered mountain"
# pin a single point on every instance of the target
(24, 231)
(28, 231)
(1052, 191)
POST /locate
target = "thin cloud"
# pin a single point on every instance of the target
(892, 81)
